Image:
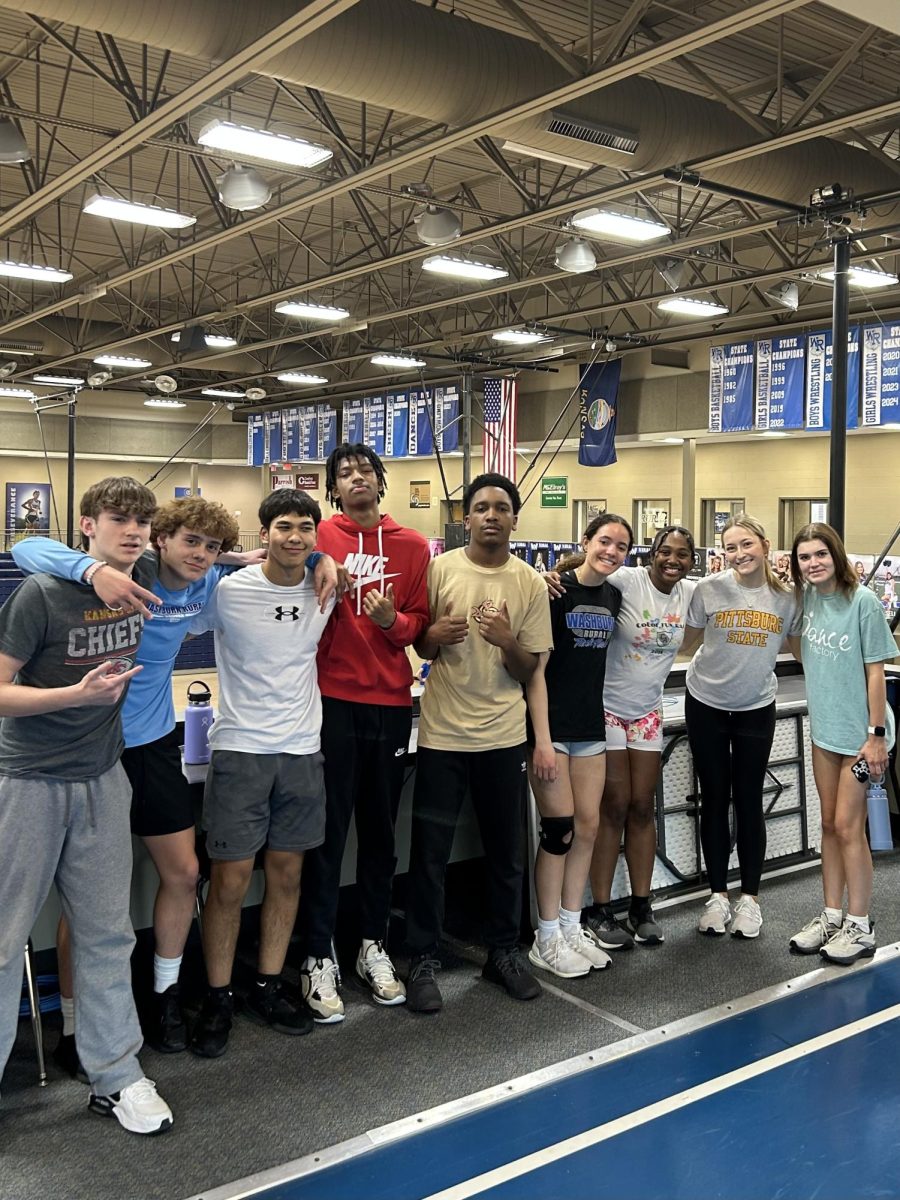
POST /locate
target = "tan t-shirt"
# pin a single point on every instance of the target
(471, 702)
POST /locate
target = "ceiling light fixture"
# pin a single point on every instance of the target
(223, 393)
(300, 377)
(403, 362)
(689, 306)
(562, 160)
(121, 360)
(786, 293)
(243, 189)
(114, 208)
(575, 256)
(619, 225)
(435, 226)
(163, 402)
(255, 393)
(462, 268)
(520, 337)
(13, 147)
(98, 378)
(215, 341)
(244, 141)
(20, 270)
(864, 277)
(59, 380)
(22, 393)
(167, 384)
(312, 312)
(8, 368)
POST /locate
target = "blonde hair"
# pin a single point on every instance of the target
(743, 520)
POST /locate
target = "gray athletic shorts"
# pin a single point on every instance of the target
(254, 799)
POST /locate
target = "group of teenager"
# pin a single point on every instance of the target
(554, 678)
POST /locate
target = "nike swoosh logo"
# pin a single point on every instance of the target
(399, 753)
(367, 579)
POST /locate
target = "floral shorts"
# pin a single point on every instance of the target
(643, 733)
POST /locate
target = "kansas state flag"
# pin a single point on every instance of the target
(599, 400)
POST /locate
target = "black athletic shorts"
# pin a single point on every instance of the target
(161, 800)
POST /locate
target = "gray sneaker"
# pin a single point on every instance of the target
(644, 927)
(814, 935)
(601, 926)
(850, 943)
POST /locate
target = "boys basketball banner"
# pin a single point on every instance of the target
(818, 379)
(731, 388)
(881, 374)
(598, 400)
(780, 382)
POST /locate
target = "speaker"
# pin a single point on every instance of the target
(192, 338)
(454, 535)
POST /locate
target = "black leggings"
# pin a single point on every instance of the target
(731, 752)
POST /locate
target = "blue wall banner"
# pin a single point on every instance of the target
(256, 440)
(881, 374)
(599, 403)
(818, 379)
(446, 414)
(780, 382)
(353, 426)
(421, 439)
(731, 387)
(309, 433)
(396, 425)
(373, 432)
(272, 425)
(290, 434)
(327, 430)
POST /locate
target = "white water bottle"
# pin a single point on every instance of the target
(880, 837)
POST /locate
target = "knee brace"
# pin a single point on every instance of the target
(557, 834)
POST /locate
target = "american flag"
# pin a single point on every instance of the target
(500, 397)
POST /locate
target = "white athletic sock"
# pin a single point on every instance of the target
(862, 922)
(367, 943)
(67, 1007)
(547, 930)
(568, 917)
(165, 972)
(834, 916)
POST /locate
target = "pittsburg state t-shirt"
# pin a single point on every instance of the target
(471, 702)
(734, 668)
(583, 622)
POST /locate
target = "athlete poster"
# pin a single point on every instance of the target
(27, 510)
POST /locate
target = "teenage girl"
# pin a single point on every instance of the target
(649, 633)
(844, 644)
(743, 615)
(566, 733)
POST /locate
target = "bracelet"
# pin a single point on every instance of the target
(92, 570)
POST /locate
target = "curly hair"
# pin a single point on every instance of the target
(208, 517)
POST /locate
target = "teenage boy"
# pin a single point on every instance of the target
(365, 678)
(192, 539)
(65, 661)
(265, 785)
(490, 622)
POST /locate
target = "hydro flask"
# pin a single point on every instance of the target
(198, 719)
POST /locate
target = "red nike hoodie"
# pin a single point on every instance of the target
(358, 660)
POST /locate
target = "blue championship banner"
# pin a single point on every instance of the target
(396, 425)
(818, 379)
(272, 424)
(309, 433)
(881, 374)
(373, 423)
(446, 418)
(780, 382)
(353, 429)
(731, 387)
(256, 440)
(327, 431)
(290, 434)
(598, 400)
(421, 440)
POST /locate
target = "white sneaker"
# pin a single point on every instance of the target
(849, 944)
(559, 957)
(318, 987)
(747, 918)
(137, 1108)
(582, 942)
(716, 915)
(814, 935)
(375, 968)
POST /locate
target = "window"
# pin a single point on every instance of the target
(714, 516)
(583, 512)
(649, 516)
(795, 513)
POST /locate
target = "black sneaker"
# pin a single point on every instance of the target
(641, 923)
(166, 1031)
(422, 992)
(602, 927)
(66, 1057)
(210, 1036)
(270, 1006)
(507, 969)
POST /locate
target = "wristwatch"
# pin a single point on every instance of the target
(876, 730)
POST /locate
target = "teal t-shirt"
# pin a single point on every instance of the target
(839, 636)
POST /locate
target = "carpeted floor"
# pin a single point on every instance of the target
(272, 1098)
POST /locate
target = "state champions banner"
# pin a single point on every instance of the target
(818, 379)
(326, 431)
(309, 433)
(446, 418)
(731, 388)
(256, 440)
(373, 423)
(396, 424)
(881, 374)
(780, 382)
(354, 422)
(290, 435)
(598, 402)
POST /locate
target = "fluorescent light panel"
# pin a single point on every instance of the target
(215, 341)
(121, 360)
(689, 306)
(117, 209)
(20, 270)
(312, 312)
(619, 225)
(61, 380)
(520, 337)
(223, 393)
(163, 402)
(300, 377)
(462, 268)
(246, 142)
(24, 393)
(403, 361)
(865, 277)
(563, 160)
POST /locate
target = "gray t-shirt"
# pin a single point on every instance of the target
(60, 630)
(734, 668)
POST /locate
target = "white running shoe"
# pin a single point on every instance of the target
(375, 969)
(137, 1108)
(716, 915)
(814, 935)
(849, 944)
(318, 987)
(747, 918)
(582, 942)
(559, 957)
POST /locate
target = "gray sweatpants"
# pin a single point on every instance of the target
(78, 835)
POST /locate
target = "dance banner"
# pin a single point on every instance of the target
(731, 388)
(256, 440)
(421, 439)
(353, 427)
(780, 382)
(396, 425)
(327, 431)
(881, 374)
(373, 423)
(599, 392)
(818, 379)
(290, 434)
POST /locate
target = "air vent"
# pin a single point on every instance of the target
(21, 347)
(580, 130)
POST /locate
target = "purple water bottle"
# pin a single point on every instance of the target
(198, 719)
